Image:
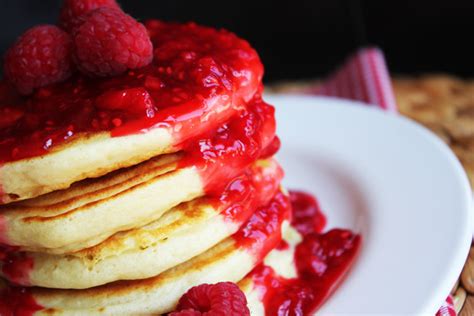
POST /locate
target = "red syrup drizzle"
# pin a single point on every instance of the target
(3, 228)
(262, 232)
(307, 215)
(18, 301)
(245, 193)
(16, 265)
(321, 259)
(223, 153)
(2, 200)
(199, 78)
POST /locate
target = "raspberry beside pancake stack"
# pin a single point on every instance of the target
(121, 193)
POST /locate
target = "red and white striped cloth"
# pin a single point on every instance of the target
(364, 77)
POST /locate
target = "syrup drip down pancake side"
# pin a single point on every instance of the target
(182, 233)
(305, 268)
(229, 260)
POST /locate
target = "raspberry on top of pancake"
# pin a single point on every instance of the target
(68, 131)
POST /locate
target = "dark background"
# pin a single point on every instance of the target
(300, 39)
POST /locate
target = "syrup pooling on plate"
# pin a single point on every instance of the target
(307, 215)
(321, 260)
(196, 73)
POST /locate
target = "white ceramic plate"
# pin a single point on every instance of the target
(395, 183)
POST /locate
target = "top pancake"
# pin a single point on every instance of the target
(94, 209)
(82, 128)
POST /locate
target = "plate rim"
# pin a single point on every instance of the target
(439, 294)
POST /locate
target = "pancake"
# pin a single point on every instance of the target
(182, 233)
(94, 209)
(63, 221)
(82, 128)
(230, 260)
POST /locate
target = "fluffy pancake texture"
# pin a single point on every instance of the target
(229, 260)
(180, 234)
(87, 156)
(92, 210)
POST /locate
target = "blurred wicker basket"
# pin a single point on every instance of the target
(446, 106)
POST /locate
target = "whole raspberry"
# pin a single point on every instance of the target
(41, 56)
(223, 298)
(72, 11)
(109, 42)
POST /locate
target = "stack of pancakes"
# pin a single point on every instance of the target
(125, 220)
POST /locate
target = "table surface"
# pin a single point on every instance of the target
(445, 105)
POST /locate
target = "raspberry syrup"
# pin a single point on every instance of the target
(16, 265)
(307, 215)
(223, 153)
(262, 232)
(18, 301)
(199, 78)
(247, 192)
(321, 259)
(3, 227)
